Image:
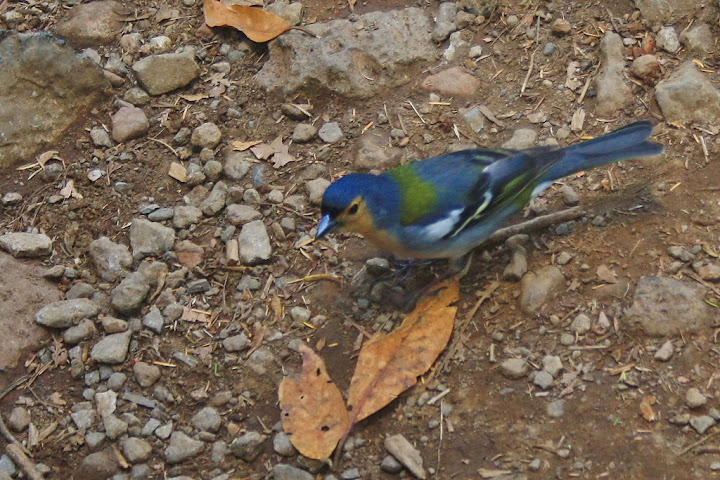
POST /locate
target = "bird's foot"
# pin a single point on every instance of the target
(401, 270)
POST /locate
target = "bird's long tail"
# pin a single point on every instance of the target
(624, 143)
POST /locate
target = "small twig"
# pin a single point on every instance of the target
(437, 397)
(167, 145)
(696, 444)
(529, 72)
(535, 224)
(26, 465)
(703, 283)
(3, 428)
(305, 30)
(417, 113)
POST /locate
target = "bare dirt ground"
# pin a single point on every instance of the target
(496, 423)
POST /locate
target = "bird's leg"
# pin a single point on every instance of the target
(458, 267)
(402, 269)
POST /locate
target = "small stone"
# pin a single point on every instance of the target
(96, 466)
(207, 135)
(80, 332)
(521, 138)
(241, 214)
(145, 374)
(556, 408)
(254, 243)
(150, 238)
(535, 288)
(248, 446)
(570, 198)
(129, 123)
(282, 445)
(330, 132)
(19, 419)
(207, 420)
(153, 320)
(112, 349)
(106, 403)
(236, 343)
(26, 245)
(665, 352)
(129, 295)
(114, 427)
(514, 368)
(698, 39)
(581, 324)
(534, 465)
(65, 313)
(707, 271)
(567, 339)
(702, 423)
(116, 381)
(315, 189)
(543, 380)
(300, 314)
(181, 447)
(548, 49)
(552, 365)
(165, 72)
(136, 450)
(563, 258)
(286, 472)
(304, 132)
(560, 26)
(390, 465)
(694, 399)
(100, 137)
(667, 39)
(186, 215)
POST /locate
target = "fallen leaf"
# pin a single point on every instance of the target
(56, 399)
(646, 409)
(312, 408)
(259, 25)
(390, 364)
(194, 97)
(242, 146)
(178, 172)
(277, 151)
(281, 159)
(194, 315)
(69, 190)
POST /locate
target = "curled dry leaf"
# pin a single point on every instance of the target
(312, 408)
(646, 409)
(259, 25)
(390, 364)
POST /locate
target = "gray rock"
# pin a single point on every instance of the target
(166, 72)
(254, 243)
(290, 12)
(391, 41)
(207, 135)
(287, 472)
(153, 320)
(218, 452)
(145, 374)
(129, 123)
(373, 151)
(33, 115)
(315, 189)
(514, 368)
(667, 39)
(698, 39)
(112, 260)
(186, 215)
(543, 380)
(248, 446)
(116, 381)
(114, 427)
(647, 68)
(106, 403)
(390, 465)
(581, 324)
(688, 96)
(665, 306)
(19, 419)
(207, 420)
(150, 426)
(455, 81)
(130, 293)
(97, 466)
(83, 419)
(150, 238)
(66, 313)
(241, 214)
(181, 448)
(570, 198)
(26, 245)
(237, 164)
(94, 440)
(161, 214)
(236, 343)
(521, 138)
(695, 399)
(702, 423)
(80, 332)
(680, 253)
(80, 290)
(136, 450)
(556, 409)
(552, 365)
(215, 202)
(613, 93)
(212, 170)
(535, 288)
(100, 137)
(91, 24)
(7, 466)
(112, 349)
(113, 325)
(198, 286)
(330, 132)
(665, 352)
(517, 267)
(283, 446)
(304, 132)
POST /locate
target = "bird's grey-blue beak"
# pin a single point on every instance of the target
(325, 226)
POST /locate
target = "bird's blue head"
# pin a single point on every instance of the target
(359, 203)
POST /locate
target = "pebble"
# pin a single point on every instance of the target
(97, 465)
(665, 352)
(560, 26)
(330, 132)
(116, 381)
(304, 132)
(300, 314)
(612, 93)
(254, 243)
(563, 258)
(552, 364)
(680, 253)
(569, 196)
(556, 409)
(390, 465)
(19, 419)
(667, 39)
(106, 403)
(136, 450)
(207, 420)
(548, 49)
(112, 260)
(241, 214)
(80, 332)
(315, 189)
(698, 39)
(114, 427)
(181, 447)
(687, 95)
(350, 474)
(94, 440)
(694, 399)
(236, 165)
(514, 368)
(207, 135)
(165, 72)
(281, 471)
(112, 349)
(521, 138)
(129, 123)
(543, 380)
(282, 445)
(517, 267)
(248, 446)
(405, 453)
(26, 245)
(186, 215)
(100, 137)
(236, 343)
(130, 293)
(702, 423)
(153, 320)
(150, 238)
(65, 313)
(215, 202)
(146, 374)
(536, 287)
(707, 271)
(567, 339)
(454, 81)
(647, 68)
(581, 324)
(534, 464)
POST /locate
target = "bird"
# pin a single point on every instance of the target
(445, 206)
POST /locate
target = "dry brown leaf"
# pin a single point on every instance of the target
(390, 364)
(312, 408)
(242, 146)
(194, 97)
(277, 151)
(259, 25)
(69, 190)
(646, 409)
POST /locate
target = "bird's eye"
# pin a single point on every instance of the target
(353, 210)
